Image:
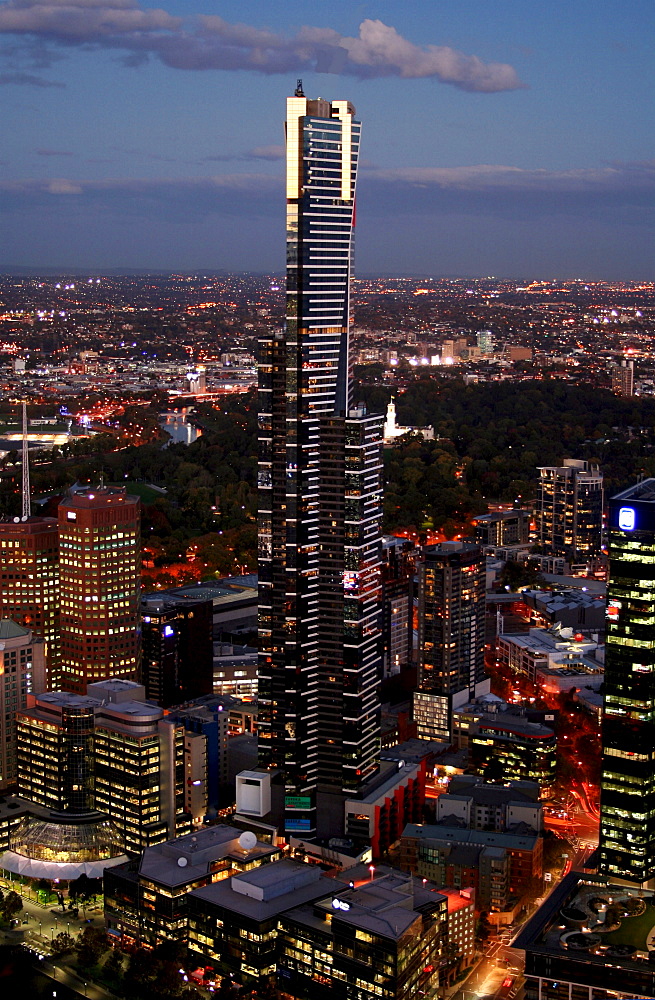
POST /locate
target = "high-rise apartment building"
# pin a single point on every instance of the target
(623, 378)
(627, 824)
(319, 488)
(569, 510)
(100, 581)
(29, 582)
(451, 635)
(22, 672)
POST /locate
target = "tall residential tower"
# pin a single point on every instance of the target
(319, 488)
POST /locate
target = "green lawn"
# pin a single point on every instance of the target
(633, 930)
(142, 490)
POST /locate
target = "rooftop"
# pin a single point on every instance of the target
(590, 921)
(186, 858)
(442, 834)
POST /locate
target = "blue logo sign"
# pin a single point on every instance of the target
(627, 518)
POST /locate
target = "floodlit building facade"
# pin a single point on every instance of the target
(100, 584)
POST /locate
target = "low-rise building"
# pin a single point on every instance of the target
(477, 805)
(146, 901)
(362, 934)
(551, 649)
(499, 866)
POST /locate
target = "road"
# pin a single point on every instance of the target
(488, 975)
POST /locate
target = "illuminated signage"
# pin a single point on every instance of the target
(338, 904)
(627, 518)
(71, 515)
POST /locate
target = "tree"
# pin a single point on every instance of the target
(113, 967)
(91, 945)
(62, 944)
(11, 905)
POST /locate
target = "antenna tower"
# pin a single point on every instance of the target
(27, 506)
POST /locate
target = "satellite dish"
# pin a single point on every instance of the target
(16, 520)
(182, 862)
(247, 840)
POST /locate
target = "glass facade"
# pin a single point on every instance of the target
(319, 490)
(627, 828)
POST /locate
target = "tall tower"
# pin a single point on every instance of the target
(100, 585)
(319, 489)
(627, 804)
(451, 635)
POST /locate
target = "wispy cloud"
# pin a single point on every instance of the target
(27, 80)
(419, 189)
(53, 152)
(207, 42)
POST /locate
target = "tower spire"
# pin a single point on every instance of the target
(27, 506)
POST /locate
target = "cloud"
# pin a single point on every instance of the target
(266, 153)
(26, 80)
(486, 188)
(488, 177)
(53, 152)
(209, 42)
(62, 186)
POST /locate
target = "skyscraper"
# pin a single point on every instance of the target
(29, 583)
(319, 488)
(451, 635)
(627, 823)
(100, 581)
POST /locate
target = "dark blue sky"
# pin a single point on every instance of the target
(505, 137)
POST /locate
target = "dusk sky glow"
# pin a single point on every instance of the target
(505, 138)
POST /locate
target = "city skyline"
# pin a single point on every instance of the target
(505, 142)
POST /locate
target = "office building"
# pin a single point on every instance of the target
(505, 745)
(627, 824)
(100, 586)
(569, 510)
(29, 582)
(319, 496)
(177, 647)
(588, 941)
(139, 773)
(22, 672)
(206, 723)
(451, 635)
(146, 900)
(107, 753)
(359, 934)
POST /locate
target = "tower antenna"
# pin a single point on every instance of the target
(299, 92)
(27, 506)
